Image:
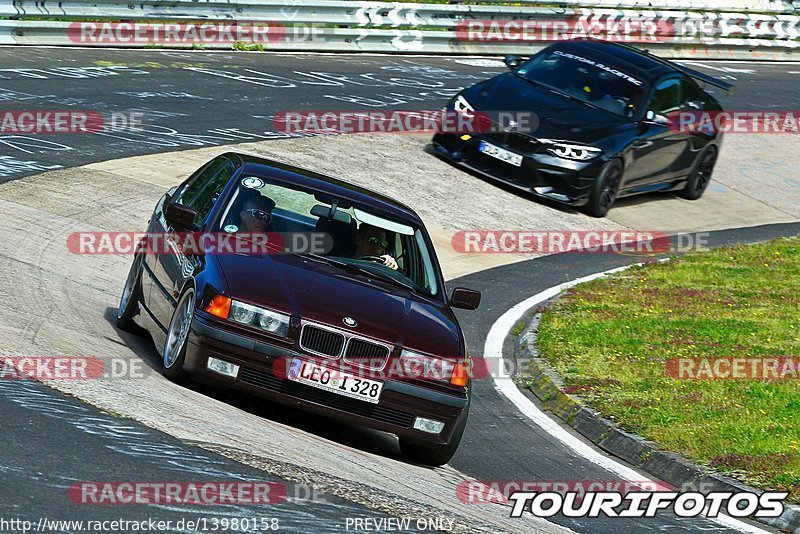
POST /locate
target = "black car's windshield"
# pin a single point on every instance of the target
(600, 85)
(335, 230)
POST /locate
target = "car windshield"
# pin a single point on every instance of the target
(592, 82)
(349, 236)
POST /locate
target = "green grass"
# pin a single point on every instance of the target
(610, 339)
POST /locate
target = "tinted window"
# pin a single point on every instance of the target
(202, 190)
(601, 85)
(667, 97)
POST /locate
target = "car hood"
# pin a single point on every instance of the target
(559, 117)
(326, 294)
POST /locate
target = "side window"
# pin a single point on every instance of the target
(667, 97)
(202, 191)
(691, 92)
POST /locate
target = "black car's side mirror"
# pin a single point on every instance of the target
(656, 118)
(512, 61)
(179, 216)
(467, 299)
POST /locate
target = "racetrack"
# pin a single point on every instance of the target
(60, 303)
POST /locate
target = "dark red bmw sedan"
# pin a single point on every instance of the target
(309, 291)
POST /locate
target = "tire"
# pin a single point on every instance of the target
(701, 175)
(434, 455)
(605, 188)
(131, 295)
(174, 351)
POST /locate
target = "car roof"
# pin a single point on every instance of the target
(267, 168)
(635, 62)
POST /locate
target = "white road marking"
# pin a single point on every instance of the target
(721, 69)
(493, 348)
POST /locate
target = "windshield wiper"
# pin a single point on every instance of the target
(359, 269)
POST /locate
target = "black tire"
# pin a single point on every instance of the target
(434, 455)
(605, 188)
(701, 175)
(174, 350)
(129, 300)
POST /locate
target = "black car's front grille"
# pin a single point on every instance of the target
(362, 352)
(317, 396)
(321, 341)
(515, 141)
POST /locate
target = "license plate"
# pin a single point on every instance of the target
(500, 153)
(345, 384)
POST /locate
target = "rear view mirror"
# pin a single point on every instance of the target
(466, 299)
(512, 61)
(324, 212)
(179, 216)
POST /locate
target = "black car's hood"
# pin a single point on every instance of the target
(559, 117)
(326, 294)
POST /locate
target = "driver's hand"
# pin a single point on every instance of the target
(389, 262)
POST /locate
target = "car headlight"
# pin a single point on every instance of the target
(421, 366)
(268, 320)
(570, 151)
(462, 105)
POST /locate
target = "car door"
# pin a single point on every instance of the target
(658, 144)
(171, 268)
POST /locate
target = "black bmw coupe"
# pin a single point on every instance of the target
(585, 122)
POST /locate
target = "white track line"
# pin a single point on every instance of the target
(494, 349)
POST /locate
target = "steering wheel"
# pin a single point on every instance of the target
(376, 259)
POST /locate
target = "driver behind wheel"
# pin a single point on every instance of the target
(371, 241)
(256, 212)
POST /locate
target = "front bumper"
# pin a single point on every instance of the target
(400, 403)
(541, 174)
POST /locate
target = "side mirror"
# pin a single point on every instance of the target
(179, 216)
(512, 62)
(467, 299)
(656, 118)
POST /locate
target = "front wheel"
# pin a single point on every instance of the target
(434, 455)
(177, 337)
(131, 295)
(605, 188)
(701, 175)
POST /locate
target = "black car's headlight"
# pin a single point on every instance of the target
(462, 105)
(571, 151)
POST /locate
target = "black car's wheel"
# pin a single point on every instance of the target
(131, 294)
(434, 455)
(604, 190)
(701, 175)
(177, 336)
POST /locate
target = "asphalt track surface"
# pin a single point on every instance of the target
(51, 441)
(200, 99)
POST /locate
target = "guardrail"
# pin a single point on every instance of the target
(392, 27)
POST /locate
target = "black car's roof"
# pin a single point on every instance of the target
(267, 168)
(634, 62)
